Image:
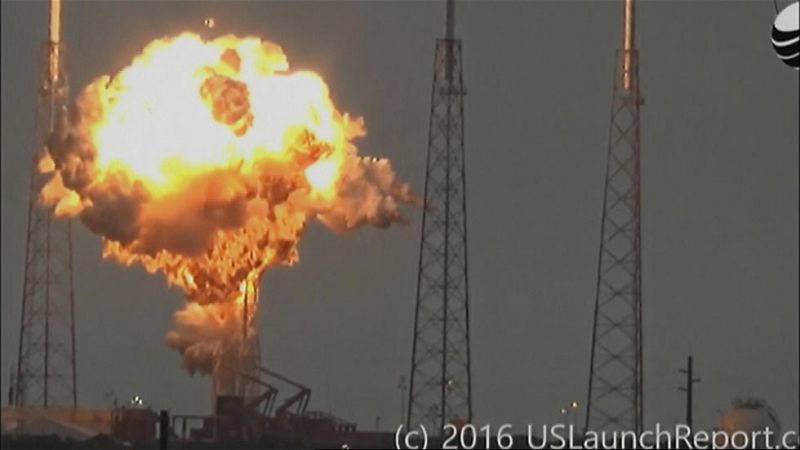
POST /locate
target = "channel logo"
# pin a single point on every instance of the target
(786, 35)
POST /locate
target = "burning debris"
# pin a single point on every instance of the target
(203, 161)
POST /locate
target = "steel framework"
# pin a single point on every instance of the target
(615, 381)
(250, 351)
(236, 370)
(45, 374)
(440, 390)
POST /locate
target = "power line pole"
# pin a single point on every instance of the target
(440, 384)
(689, 389)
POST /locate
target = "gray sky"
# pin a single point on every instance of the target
(720, 196)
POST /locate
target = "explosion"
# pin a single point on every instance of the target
(203, 160)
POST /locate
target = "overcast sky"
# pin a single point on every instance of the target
(719, 192)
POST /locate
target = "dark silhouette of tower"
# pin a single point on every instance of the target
(440, 389)
(615, 381)
(46, 365)
(689, 389)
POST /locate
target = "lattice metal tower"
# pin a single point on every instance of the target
(46, 365)
(440, 390)
(615, 381)
(236, 370)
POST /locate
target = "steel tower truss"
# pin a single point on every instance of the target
(615, 382)
(45, 374)
(440, 391)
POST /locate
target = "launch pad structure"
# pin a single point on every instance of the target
(245, 396)
(236, 368)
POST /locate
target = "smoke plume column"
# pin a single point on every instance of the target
(203, 161)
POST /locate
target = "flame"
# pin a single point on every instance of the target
(202, 160)
(216, 104)
(322, 175)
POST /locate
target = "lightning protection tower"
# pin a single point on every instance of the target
(615, 381)
(440, 390)
(46, 365)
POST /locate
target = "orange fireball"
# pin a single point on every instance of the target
(203, 160)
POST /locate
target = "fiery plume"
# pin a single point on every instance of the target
(203, 161)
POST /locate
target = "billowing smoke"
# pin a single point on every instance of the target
(203, 161)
